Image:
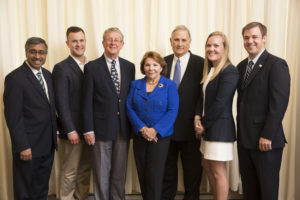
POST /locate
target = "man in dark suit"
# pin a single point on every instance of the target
(105, 124)
(74, 152)
(29, 110)
(263, 95)
(186, 69)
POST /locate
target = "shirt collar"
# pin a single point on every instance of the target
(109, 60)
(256, 58)
(33, 69)
(184, 57)
(78, 61)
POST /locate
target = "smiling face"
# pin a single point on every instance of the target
(214, 49)
(77, 43)
(152, 69)
(254, 42)
(36, 55)
(112, 44)
(180, 42)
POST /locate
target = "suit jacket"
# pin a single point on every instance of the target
(68, 85)
(189, 91)
(218, 120)
(263, 101)
(104, 111)
(158, 110)
(30, 117)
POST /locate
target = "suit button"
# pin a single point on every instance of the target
(119, 100)
(118, 113)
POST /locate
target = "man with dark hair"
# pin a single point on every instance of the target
(29, 110)
(185, 69)
(105, 124)
(263, 95)
(74, 152)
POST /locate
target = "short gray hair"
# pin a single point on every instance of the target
(35, 40)
(182, 28)
(113, 29)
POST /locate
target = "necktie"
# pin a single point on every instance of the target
(248, 72)
(39, 76)
(114, 76)
(177, 73)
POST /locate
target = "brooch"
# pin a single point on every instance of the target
(161, 85)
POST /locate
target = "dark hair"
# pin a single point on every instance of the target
(35, 40)
(74, 29)
(263, 28)
(157, 57)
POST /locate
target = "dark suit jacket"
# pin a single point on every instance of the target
(104, 111)
(30, 118)
(158, 109)
(262, 103)
(189, 91)
(218, 120)
(68, 85)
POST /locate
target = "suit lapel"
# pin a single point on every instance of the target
(257, 67)
(123, 75)
(34, 81)
(74, 66)
(106, 73)
(169, 64)
(49, 86)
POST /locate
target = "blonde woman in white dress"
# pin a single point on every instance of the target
(214, 123)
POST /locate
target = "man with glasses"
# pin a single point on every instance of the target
(105, 124)
(31, 119)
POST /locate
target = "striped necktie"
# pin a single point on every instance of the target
(39, 76)
(248, 72)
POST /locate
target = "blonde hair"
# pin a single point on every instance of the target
(225, 61)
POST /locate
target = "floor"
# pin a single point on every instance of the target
(208, 196)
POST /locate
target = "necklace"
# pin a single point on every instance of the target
(152, 82)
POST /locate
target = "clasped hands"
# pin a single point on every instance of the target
(149, 134)
(199, 129)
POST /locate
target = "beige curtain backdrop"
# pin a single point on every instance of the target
(147, 25)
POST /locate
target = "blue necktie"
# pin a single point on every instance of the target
(177, 73)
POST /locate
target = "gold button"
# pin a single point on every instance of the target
(119, 100)
(118, 113)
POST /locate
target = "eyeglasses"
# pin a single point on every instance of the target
(113, 40)
(34, 52)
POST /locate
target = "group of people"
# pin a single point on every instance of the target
(182, 101)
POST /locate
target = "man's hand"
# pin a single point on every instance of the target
(90, 138)
(264, 144)
(73, 137)
(26, 154)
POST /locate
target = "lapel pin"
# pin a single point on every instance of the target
(161, 85)
(260, 65)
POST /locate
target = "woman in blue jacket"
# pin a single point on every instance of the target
(214, 120)
(152, 106)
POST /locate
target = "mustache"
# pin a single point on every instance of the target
(36, 59)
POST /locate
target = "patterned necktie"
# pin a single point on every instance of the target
(177, 73)
(248, 72)
(114, 76)
(39, 76)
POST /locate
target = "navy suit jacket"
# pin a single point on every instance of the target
(263, 101)
(68, 85)
(189, 91)
(158, 110)
(104, 112)
(30, 117)
(218, 120)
